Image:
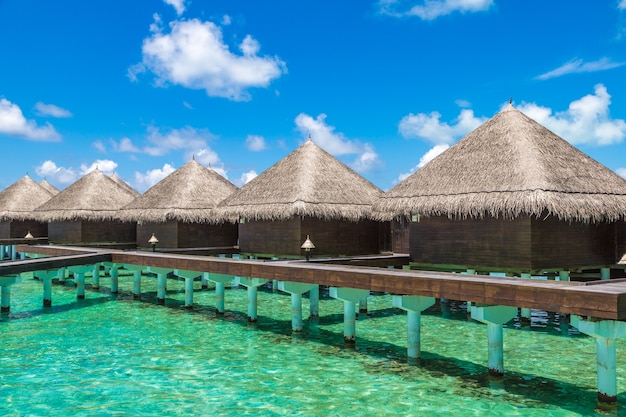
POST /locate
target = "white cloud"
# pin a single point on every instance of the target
(125, 145)
(227, 20)
(426, 158)
(150, 178)
(104, 165)
(99, 145)
(586, 121)
(621, 171)
(51, 110)
(622, 5)
(56, 174)
(578, 66)
(195, 56)
(431, 9)
(336, 143)
(255, 143)
(13, 122)
(245, 178)
(179, 5)
(430, 128)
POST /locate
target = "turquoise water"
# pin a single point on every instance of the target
(109, 356)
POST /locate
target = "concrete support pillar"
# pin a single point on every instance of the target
(525, 312)
(5, 299)
(61, 275)
(22, 255)
(314, 301)
(296, 289)
(13, 253)
(252, 284)
(349, 296)
(204, 281)
(188, 292)
(494, 317)
(413, 305)
(469, 271)
(219, 297)
(605, 273)
(605, 333)
(95, 275)
(113, 273)
(80, 285)
(161, 288)
(220, 281)
(2, 252)
(563, 275)
(363, 305)
(47, 288)
(136, 285)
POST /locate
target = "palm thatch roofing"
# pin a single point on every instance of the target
(94, 197)
(18, 200)
(189, 194)
(510, 166)
(51, 188)
(307, 182)
(124, 184)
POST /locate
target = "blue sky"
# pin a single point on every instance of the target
(139, 87)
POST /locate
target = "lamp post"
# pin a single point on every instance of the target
(153, 241)
(307, 246)
(28, 235)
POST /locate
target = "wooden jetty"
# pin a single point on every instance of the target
(597, 308)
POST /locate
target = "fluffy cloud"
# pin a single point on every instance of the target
(255, 143)
(336, 143)
(63, 176)
(245, 178)
(428, 126)
(622, 5)
(578, 66)
(195, 56)
(621, 171)
(51, 110)
(150, 178)
(586, 121)
(179, 5)
(431, 9)
(426, 158)
(13, 123)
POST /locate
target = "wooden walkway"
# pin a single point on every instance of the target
(597, 299)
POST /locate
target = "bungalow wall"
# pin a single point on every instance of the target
(18, 229)
(331, 238)
(524, 244)
(174, 234)
(92, 232)
(400, 236)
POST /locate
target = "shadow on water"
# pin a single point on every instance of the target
(391, 358)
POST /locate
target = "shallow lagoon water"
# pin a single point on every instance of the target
(109, 355)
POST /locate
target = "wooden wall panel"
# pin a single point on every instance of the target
(400, 236)
(166, 232)
(338, 237)
(65, 232)
(195, 235)
(489, 242)
(21, 228)
(620, 240)
(5, 229)
(109, 231)
(565, 245)
(270, 238)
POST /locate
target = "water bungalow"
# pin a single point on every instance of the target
(511, 196)
(179, 210)
(17, 203)
(86, 212)
(307, 193)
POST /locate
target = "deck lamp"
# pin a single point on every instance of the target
(307, 246)
(153, 241)
(28, 235)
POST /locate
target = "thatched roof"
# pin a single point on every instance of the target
(94, 197)
(124, 184)
(51, 188)
(18, 200)
(307, 182)
(189, 194)
(508, 167)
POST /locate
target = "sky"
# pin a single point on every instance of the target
(138, 88)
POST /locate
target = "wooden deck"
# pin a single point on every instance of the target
(597, 299)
